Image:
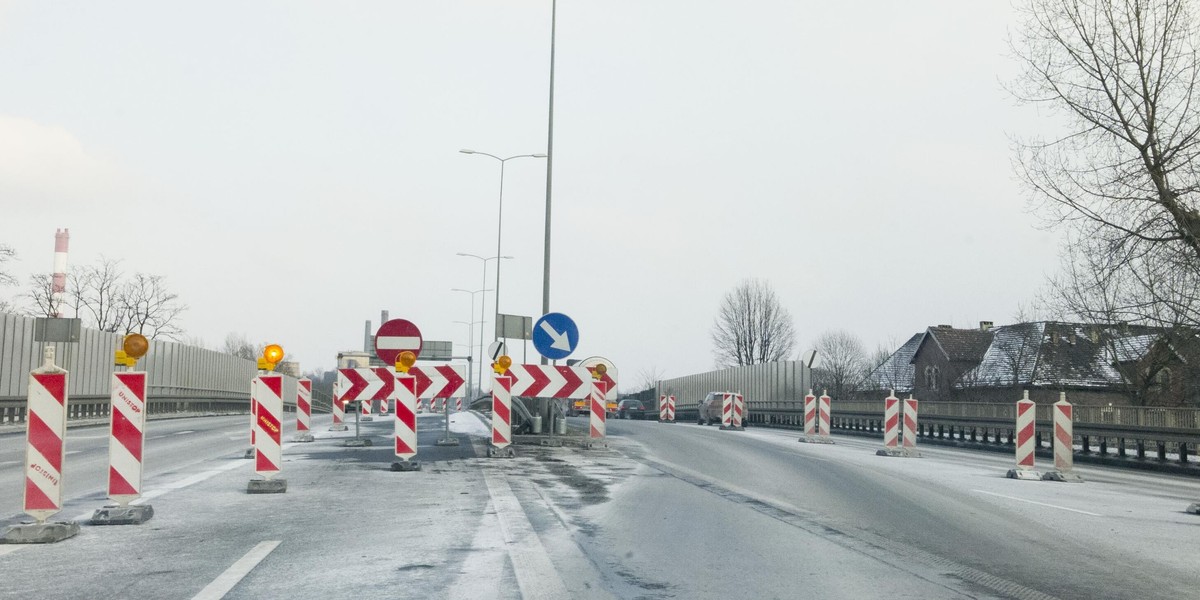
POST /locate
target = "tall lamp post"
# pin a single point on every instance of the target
(500, 214)
(470, 325)
(482, 321)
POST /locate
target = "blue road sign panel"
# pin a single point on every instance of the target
(555, 336)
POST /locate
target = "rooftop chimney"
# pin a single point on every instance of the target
(367, 337)
(985, 325)
(383, 317)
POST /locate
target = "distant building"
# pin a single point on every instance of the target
(1095, 364)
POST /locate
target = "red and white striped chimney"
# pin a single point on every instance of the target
(62, 237)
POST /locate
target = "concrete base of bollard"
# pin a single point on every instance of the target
(594, 444)
(357, 443)
(122, 515)
(367, 419)
(1063, 476)
(662, 421)
(552, 442)
(1028, 474)
(447, 442)
(303, 437)
(1194, 508)
(815, 439)
(267, 486)
(406, 465)
(732, 428)
(505, 452)
(249, 453)
(901, 452)
(338, 428)
(39, 533)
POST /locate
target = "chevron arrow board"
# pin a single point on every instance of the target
(546, 381)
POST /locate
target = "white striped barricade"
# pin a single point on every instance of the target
(384, 409)
(596, 422)
(739, 411)
(1064, 443)
(666, 409)
(458, 404)
(253, 415)
(45, 450)
(823, 416)
(732, 411)
(405, 394)
(501, 418)
(662, 407)
(338, 408)
(268, 445)
(367, 406)
(670, 409)
(126, 447)
(910, 427)
(891, 426)
(810, 418)
(303, 411)
(1026, 442)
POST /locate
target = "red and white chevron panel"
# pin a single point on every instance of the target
(891, 422)
(823, 416)
(406, 416)
(1026, 433)
(547, 381)
(1064, 435)
(303, 404)
(268, 449)
(739, 410)
(910, 423)
(726, 410)
(662, 409)
(609, 381)
(127, 439)
(670, 408)
(338, 409)
(599, 405)
(374, 383)
(44, 450)
(440, 382)
(502, 411)
(810, 414)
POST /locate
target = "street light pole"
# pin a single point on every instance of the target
(483, 301)
(500, 216)
(471, 325)
(549, 168)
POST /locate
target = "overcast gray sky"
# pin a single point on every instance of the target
(293, 167)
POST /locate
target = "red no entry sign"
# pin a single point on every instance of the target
(395, 337)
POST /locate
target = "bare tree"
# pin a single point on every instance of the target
(150, 309)
(42, 301)
(237, 344)
(97, 294)
(1124, 74)
(752, 326)
(843, 363)
(648, 377)
(6, 279)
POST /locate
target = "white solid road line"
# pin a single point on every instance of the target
(230, 578)
(536, 576)
(1074, 510)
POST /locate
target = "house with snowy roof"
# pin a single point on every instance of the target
(1095, 364)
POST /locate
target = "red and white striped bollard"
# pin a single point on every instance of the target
(597, 401)
(810, 414)
(501, 417)
(45, 440)
(268, 445)
(338, 409)
(670, 409)
(910, 427)
(1026, 442)
(1064, 443)
(823, 416)
(405, 394)
(303, 411)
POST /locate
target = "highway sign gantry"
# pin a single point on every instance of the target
(394, 337)
(555, 336)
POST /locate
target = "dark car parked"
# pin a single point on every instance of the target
(632, 408)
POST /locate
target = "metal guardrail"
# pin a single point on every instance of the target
(1169, 431)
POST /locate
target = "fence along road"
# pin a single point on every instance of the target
(182, 378)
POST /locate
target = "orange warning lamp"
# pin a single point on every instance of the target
(599, 371)
(502, 364)
(405, 361)
(135, 345)
(271, 356)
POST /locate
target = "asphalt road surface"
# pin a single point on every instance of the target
(664, 511)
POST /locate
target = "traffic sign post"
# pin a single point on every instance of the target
(555, 336)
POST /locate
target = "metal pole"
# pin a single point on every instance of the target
(499, 218)
(549, 168)
(482, 308)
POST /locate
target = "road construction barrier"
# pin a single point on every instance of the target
(666, 409)
(406, 416)
(501, 412)
(458, 405)
(823, 416)
(384, 409)
(339, 411)
(891, 422)
(1064, 442)
(44, 439)
(127, 439)
(910, 423)
(810, 414)
(303, 405)
(253, 409)
(368, 407)
(1026, 440)
(268, 448)
(596, 424)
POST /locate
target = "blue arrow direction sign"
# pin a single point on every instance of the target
(555, 336)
